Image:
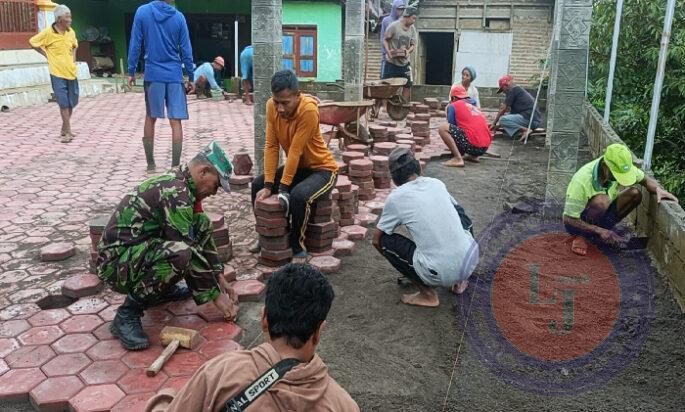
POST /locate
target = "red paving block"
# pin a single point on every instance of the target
(270, 204)
(188, 321)
(7, 346)
(271, 231)
(29, 356)
(68, 364)
(3, 367)
(276, 255)
(156, 316)
(210, 312)
(87, 306)
(108, 313)
(48, 317)
(135, 381)
(275, 243)
(185, 307)
(16, 384)
(78, 342)
(375, 207)
(57, 251)
(103, 333)
(53, 394)
(176, 383)
(82, 285)
(99, 372)
(143, 358)
(106, 350)
(222, 330)
(361, 165)
(271, 222)
(230, 273)
(17, 311)
(384, 148)
(242, 164)
(183, 363)
(12, 328)
(343, 247)
(133, 403)
(215, 348)
(41, 335)
(366, 219)
(249, 290)
(326, 264)
(354, 232)
(96, 398)
(81, 323)
(349, 156)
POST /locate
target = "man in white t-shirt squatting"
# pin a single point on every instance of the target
(442, 252)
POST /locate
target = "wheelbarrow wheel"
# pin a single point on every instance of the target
(398, 108)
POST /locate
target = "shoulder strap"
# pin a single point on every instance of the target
(260, 385)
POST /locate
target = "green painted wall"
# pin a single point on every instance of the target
(327, 17)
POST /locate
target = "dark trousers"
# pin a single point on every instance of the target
(400, 253)
(608, 221)
(308, 185)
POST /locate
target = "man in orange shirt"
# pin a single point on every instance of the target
(309, 173)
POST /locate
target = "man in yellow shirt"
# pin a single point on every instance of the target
(593, 203)
(309, 173)
(58, 44)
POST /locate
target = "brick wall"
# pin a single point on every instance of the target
(532, 31)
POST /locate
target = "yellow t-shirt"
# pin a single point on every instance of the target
(60, 50)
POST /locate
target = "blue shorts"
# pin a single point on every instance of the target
(246, 64)
(66, 91)
(173, 95)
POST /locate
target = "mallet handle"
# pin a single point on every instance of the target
(162, 358)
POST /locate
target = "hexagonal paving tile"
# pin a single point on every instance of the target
(249, 290)
(7, 346)
(82, 285)
(142, 358)
(103, 333)
(72, 343)
(210, 312)
(57, 251)
(30, 356)
(16, 384)
(183, 363)
(136, 381)
(107, 349)
(222, 330)
(53, 393)
(219, 347)
(189, 321)
(68, 364)
(48, 317)
(81, 323)
(343, 247)
(185, 307)
(96, 398)
(108, 371)
(87, 306)
(133, 403)
(109, 313)
(354, 232)
(156, 316)
(326, 264)
(12, 328)
(41, 335)
(19, 310)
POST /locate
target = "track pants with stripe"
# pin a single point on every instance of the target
(308, 185)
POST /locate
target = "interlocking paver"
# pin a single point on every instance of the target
(96, 398)
(81, 323)
(12, 328)
(48, 317)
(86, 306)
(53, 393)
(29, 356)
(7, 346)
(222, 330)
(67, 364)
(107, 349)
(133, 403)
(78, 342)
(143, 358)
(41, 335)
(107, 371)
(57, 251)
(136, 381)
(249, 290)
(217, 347)
(183, 363)
(82, 285)
(16, 384)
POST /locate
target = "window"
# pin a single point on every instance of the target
(299, 50)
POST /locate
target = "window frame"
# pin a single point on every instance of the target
(298, 31)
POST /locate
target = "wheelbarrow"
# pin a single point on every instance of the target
(344, 116)
(387, 91)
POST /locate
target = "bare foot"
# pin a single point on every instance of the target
(579, 246)
(420, 299)
(460, 287)
(470, 158)
(454, 163)
(525, 135)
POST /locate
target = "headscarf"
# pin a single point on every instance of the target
(472, 72)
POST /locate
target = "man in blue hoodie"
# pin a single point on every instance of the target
(398, 7)
(163, 31)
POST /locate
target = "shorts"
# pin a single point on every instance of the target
(463, 144)
(246, 65)
(391, 70)
(172, 95)
(608, 221)
(400, 253)
(66, 91)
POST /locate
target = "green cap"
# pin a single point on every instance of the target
(217, 157)
(620, 161)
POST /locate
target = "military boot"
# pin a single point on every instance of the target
(175, 293)
(127, 326)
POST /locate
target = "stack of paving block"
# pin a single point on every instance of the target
(322, 229)
(241, 177)
(432, 102)
(362, 148)
(384, 148)
(388, 123)
(344, 197)
(422, 116)
(378, 133)
(420, 108)
(443, 104)
(97, 227)
(404, 136)
(272, 227)
(421, 128)
(381, 172)
(409, 143)
(361, 174)
(347, 157)
(393, 132)
(221, 236)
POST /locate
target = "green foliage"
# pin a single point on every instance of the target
(636, 64)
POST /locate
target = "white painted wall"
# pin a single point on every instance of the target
(488, 53)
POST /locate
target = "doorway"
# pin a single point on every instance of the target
(438, 49)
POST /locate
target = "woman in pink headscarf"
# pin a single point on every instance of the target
(398, 7)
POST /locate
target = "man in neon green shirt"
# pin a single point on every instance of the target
(58, 44)
(593, 203)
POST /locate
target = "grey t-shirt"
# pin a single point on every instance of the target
(400, 38)
(521, 102)
(445, 253)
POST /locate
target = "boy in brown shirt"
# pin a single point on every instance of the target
(309, 173)
(298, 298)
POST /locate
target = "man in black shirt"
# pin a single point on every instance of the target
(519, 103)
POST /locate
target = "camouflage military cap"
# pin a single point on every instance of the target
(217, 157)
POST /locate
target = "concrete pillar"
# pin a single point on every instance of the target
(353, 50)
(267, 16)
(45, 16)
(567, 94)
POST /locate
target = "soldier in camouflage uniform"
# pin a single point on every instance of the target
(157, 236)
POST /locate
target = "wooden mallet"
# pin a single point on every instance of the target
(173, 337)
